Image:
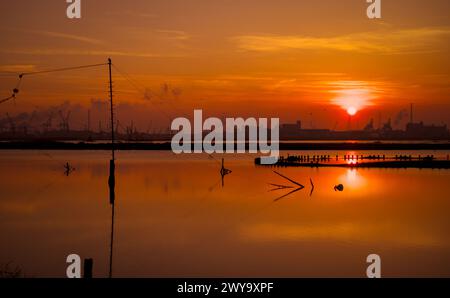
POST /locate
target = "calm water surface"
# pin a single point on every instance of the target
(174, 217)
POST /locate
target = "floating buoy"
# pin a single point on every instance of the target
(339, 187)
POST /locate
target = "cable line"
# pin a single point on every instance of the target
(15, 91)
(61, 69)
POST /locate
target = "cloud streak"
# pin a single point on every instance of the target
(70, 37)
(17, 68)
(384, 41)
(174, 34)
(68, 52)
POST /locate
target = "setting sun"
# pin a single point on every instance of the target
(353, 96)
(352, 111)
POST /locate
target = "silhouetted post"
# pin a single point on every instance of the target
(112, 168)
(111, 107)
(88, 268)
(224, 171)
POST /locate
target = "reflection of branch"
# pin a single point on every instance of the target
(300, 186)
(295, 190)
(312, 187)
(296, 183)
(278, 187)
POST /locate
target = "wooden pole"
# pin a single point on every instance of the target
(112, 167)
(111, 108)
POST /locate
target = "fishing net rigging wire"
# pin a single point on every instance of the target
(16, 90)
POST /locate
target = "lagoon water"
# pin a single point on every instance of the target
(175, 219)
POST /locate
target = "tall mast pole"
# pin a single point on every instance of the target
(111, 107)
(112, 169)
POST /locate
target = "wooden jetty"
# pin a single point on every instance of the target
(361, 161)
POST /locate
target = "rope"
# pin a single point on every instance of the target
(61, 69)
(143, 90)
(15, 91)
(6, 99)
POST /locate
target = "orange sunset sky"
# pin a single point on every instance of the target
(294, 59)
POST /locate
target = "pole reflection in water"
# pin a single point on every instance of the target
(112, 195)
